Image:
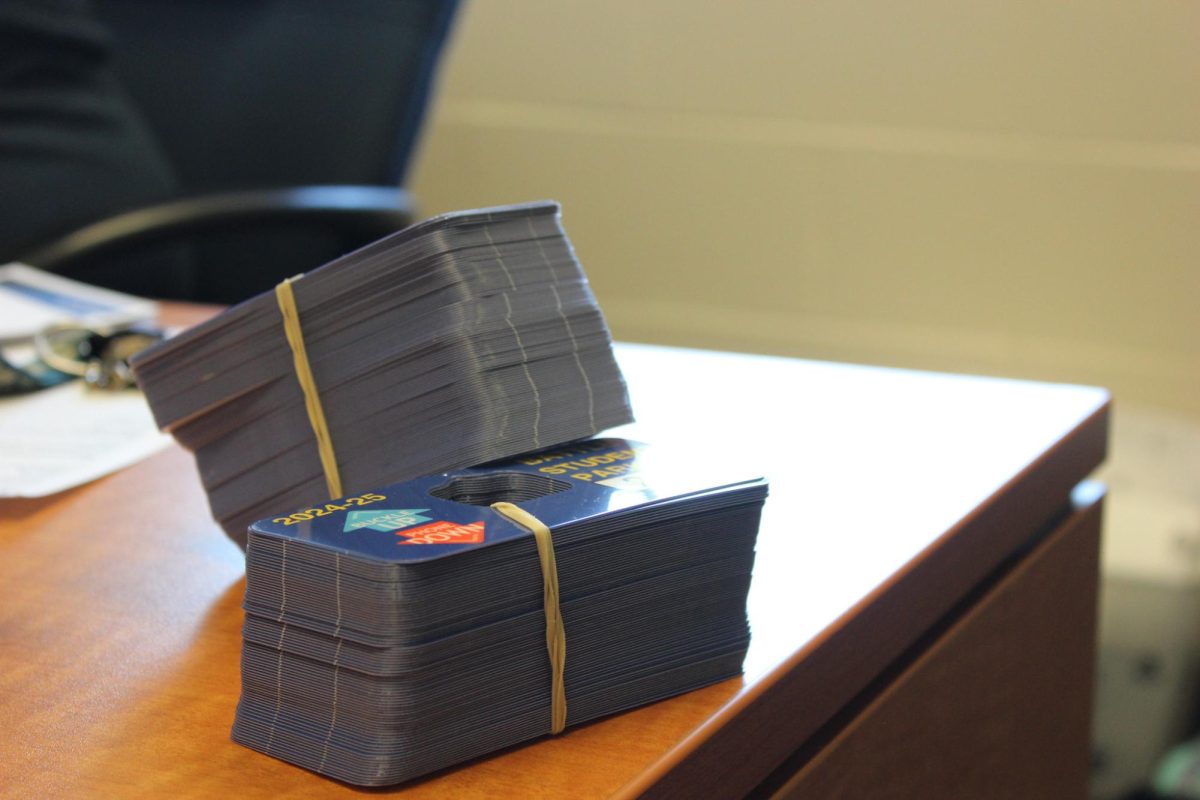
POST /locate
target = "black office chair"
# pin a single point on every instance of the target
(288, 124)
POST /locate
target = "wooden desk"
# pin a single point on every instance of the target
(923, 610)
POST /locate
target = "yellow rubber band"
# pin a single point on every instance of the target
(556, 635)
(312, 399)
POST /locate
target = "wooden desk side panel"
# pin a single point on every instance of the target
(998, 707)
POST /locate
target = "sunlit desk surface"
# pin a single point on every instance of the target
(910, 517)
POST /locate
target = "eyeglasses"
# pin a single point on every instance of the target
(99, 356)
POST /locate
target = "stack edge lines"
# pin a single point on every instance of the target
(464, 339)
(399, 631)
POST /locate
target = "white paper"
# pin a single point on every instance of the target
(32, 300)
(58, 438)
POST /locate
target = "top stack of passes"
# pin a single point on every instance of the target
(467, 338)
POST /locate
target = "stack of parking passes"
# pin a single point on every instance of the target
(402, 630)
(464, 339)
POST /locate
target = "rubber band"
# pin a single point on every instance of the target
(556, 635)
(312, 398)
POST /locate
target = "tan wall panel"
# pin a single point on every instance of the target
(1102, 68)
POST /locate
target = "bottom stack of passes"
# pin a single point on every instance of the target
(401, 631)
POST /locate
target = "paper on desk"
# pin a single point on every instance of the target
(66, 436)
(31, 300)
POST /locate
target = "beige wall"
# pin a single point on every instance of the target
(1010, 188)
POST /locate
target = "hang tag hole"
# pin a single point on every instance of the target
(498, 487)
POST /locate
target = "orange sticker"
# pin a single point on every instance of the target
(442, 532)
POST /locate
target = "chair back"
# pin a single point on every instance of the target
(252, 95)
(249, 94)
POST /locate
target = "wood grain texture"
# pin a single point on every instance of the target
(749, 738)
(892, 494)
(998, 707)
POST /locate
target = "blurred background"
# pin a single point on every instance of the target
(1006, 189)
